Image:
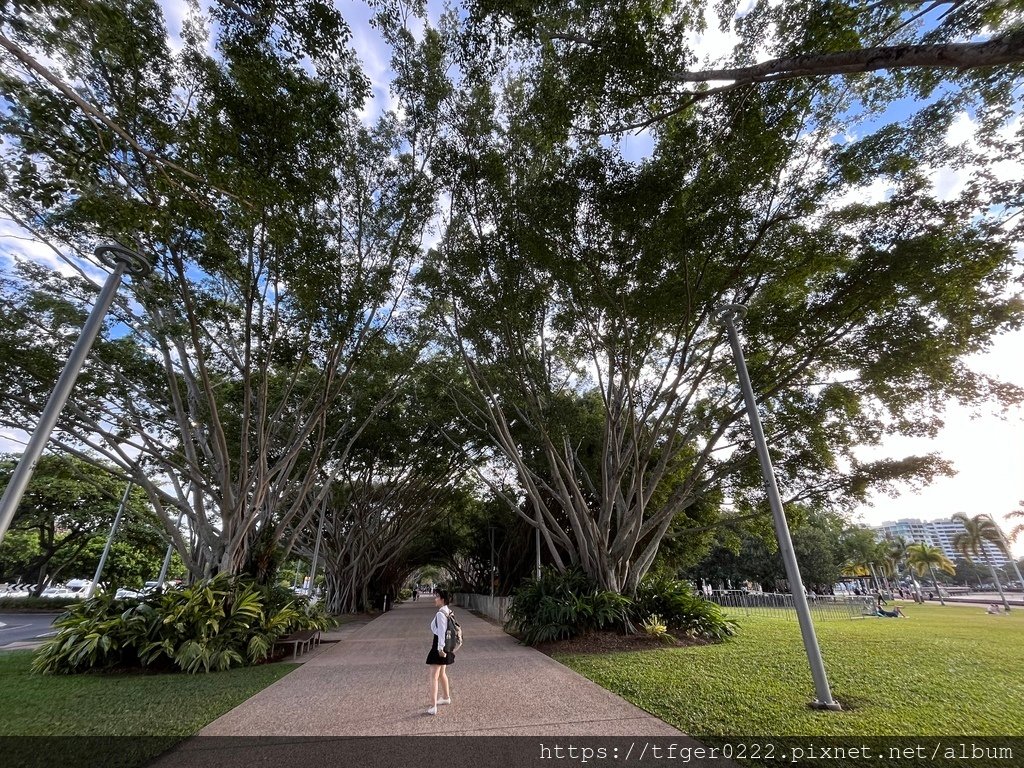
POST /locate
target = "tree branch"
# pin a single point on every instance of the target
(1002, 50)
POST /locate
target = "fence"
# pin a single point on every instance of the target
(737, 601)
(782, 605)
(493, 607)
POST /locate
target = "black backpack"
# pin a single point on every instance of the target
(452, 635)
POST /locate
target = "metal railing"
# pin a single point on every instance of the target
(781, 604)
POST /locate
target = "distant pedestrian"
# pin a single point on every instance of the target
(437, 659)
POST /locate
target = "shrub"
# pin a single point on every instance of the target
(212, 625)
(560, 605)
(680, 609)
(37, 604)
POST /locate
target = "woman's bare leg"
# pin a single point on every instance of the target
(435, 670)
(444, 683)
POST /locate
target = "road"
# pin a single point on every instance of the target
(16, 629)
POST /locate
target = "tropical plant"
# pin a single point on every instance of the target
(923, 558)
(979, 531)
(560, 605)
(681, 609)
(208, 626)
(655, 627)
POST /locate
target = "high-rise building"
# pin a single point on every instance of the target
(936, 533)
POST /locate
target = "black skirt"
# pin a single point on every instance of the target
(435, 658)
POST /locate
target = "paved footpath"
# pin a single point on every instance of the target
(373, 682)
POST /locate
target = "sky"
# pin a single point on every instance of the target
(986, 448)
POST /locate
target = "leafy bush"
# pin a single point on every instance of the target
(680, 608)
(37, 604)
(212, 625)
(560, 605)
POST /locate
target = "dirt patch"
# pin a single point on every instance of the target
(615, 642)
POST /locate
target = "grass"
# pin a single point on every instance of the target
(156, 711)
(945, 671)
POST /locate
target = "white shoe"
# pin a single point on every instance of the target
(432, 711)
(444, 701)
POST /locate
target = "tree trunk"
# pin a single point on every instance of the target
(999, 586)
(935, 581)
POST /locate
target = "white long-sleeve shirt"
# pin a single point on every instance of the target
(440, 625)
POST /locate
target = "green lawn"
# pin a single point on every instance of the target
(155, 710)
(943, 671)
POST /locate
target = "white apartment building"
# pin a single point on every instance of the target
(937, 533)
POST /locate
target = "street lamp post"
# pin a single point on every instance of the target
(491, 531)
(316, 550)
(120, 260)
(110, 541)
(729, 315)
(167, 556)
(538, 546)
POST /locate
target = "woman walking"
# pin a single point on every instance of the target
(437, 659)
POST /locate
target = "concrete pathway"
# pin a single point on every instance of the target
(373, 682)
(512, 707)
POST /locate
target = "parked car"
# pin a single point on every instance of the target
(52, 592)
(80, 587)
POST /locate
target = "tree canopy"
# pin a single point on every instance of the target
(495, 243)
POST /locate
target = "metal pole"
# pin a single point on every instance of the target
(538, 547)
(167, 557)
(1008, 552)
(110, 541)
(491, 530)
(121, 260)
(729, 315)
(316, 551)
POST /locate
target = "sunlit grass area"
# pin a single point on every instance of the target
(944, 671)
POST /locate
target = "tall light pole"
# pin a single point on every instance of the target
(491, 531)
(1006, 550)
(120, 260)
(729, 315)
(316, 550)
(110, 541)
(167, 556)
(538, 546)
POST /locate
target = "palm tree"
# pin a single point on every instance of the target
(970, 543)
(923, 557)
(1014, 534)
(1019, 528)
(895, 559)
(861, 553)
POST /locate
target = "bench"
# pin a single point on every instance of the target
(303, 639)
